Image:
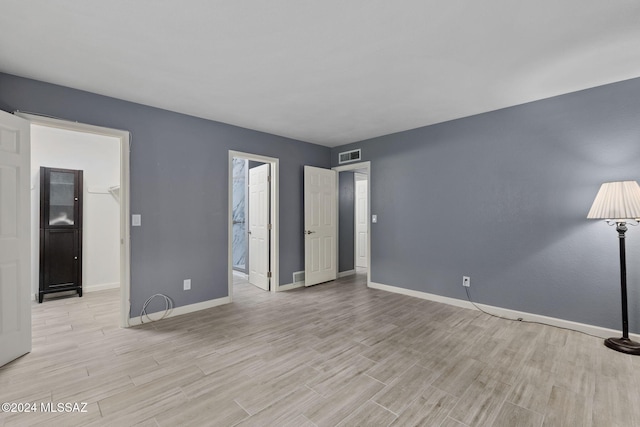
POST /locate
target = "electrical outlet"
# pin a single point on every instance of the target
(466, 281)
(187, 284)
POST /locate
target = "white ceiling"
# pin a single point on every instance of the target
(325, 71)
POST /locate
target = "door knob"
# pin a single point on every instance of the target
(309, 232)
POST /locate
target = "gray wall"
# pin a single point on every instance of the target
(346, 219)
(179, 184)
(503, 197)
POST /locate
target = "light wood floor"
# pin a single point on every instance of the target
(334, 354)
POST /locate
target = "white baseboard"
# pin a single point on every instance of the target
(290, 286)
(346, 273)
(185, 309)
(505, 312)
(90, 288)
(100, 287)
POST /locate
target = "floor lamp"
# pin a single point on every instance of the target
(619, 202)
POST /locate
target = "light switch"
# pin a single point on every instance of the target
(136, 220)
(374, 218)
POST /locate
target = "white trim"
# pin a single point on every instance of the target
(290, 286)
(185, 309)
(346, 273)
(86, 289)
(125, 168)
(100, 287)
(505, 312)
(274, 248)
(359, 166)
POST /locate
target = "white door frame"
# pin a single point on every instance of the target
(274, 241)
(365, 166)
(125, 232)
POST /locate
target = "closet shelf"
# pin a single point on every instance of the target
(114, 190)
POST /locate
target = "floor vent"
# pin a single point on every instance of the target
(349, 156)
(298, 277)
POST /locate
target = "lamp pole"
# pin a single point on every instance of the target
(617, 202)
(624, 344)
(621, 229)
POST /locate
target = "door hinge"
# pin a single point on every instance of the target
(269, 227)
(269, 274)
(268, 178)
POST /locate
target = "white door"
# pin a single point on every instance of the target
(320, 225)
(15, 235)
(259, 226)
(362, 226)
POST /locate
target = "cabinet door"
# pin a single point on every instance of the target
(62, 266)
(61, 202)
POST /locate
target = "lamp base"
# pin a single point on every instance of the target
(623, 345)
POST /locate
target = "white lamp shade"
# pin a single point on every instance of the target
(616, 200)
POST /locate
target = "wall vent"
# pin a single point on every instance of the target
(298, 276)
(349, 156)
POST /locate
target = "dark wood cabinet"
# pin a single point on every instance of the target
(60, 231)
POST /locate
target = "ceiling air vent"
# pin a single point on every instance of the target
(349, 156)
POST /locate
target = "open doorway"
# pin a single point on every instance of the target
(354, 241)
(253, 222)
(103, 155)
(240, 214)
(98, 157)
